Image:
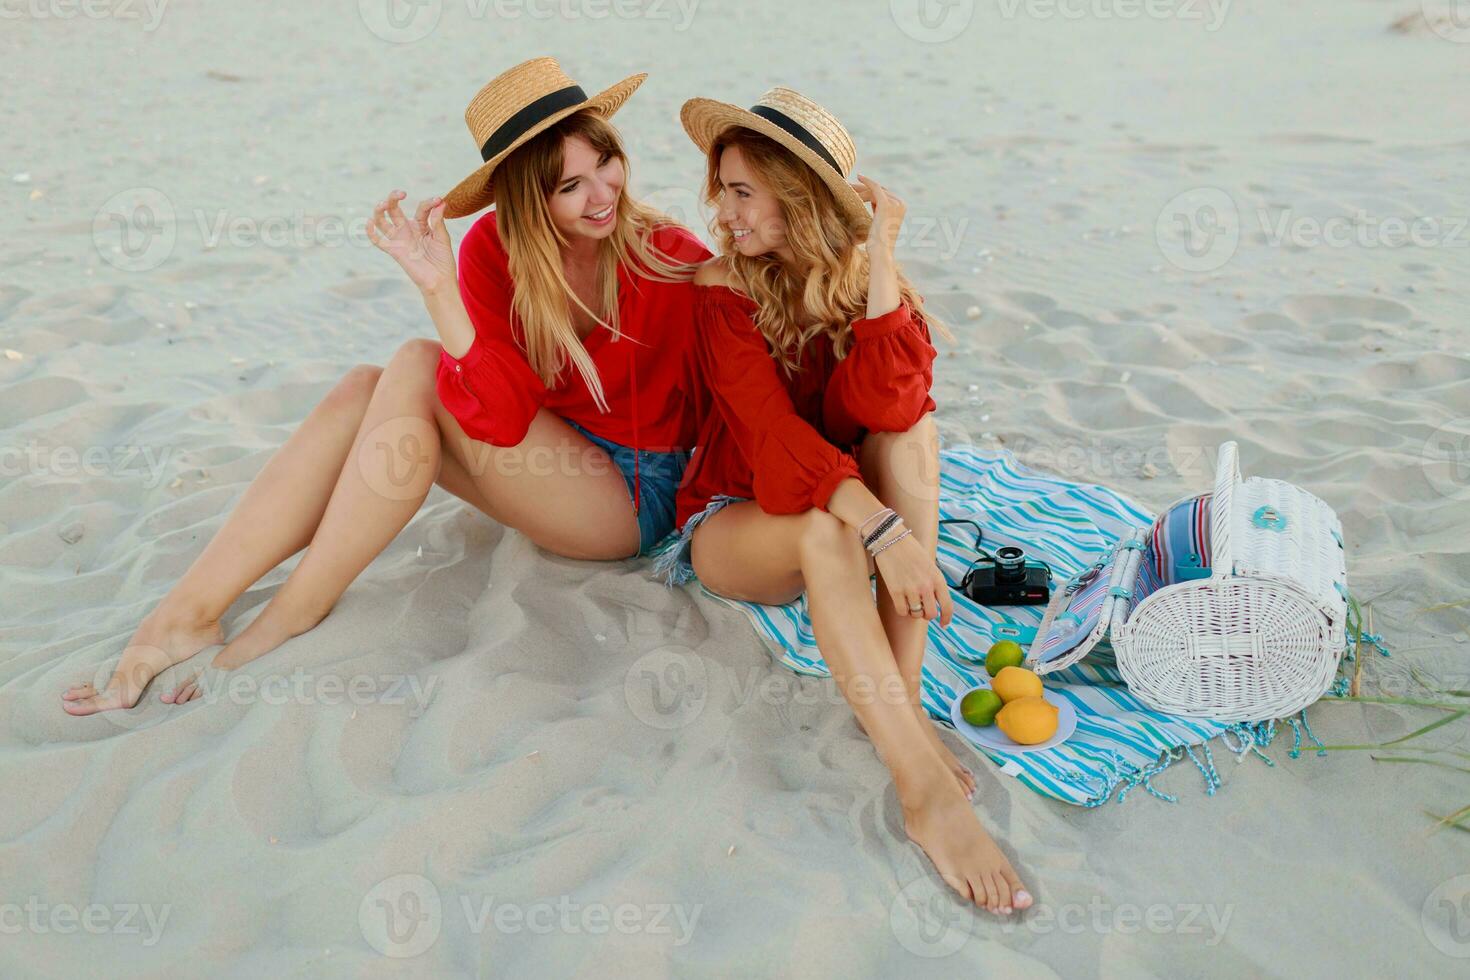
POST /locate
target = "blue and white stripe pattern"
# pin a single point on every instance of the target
(1119, 743)
(1182, 541)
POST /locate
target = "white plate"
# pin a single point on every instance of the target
(991, 737)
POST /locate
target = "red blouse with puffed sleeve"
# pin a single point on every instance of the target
(648, 376)
(788, 441)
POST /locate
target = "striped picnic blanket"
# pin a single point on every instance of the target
(1119, 743)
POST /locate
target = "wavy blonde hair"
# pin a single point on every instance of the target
(826, 289)
(542, 301)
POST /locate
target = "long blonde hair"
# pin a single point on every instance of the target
(826, 289)
(542, 301)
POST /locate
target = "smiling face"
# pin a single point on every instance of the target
(583, 202)
(748, 209)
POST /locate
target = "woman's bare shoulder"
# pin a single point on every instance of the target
(712, 273)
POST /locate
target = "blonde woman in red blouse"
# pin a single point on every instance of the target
(820, 460)
(559, 402)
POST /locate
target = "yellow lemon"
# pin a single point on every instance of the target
(1028, 721)
(1016, 682)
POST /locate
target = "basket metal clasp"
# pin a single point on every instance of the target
(1269, 518)
(1084, 576)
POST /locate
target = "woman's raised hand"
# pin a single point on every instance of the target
(888, 208)
(419, 244)
(888, 211)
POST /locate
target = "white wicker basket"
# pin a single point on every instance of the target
(1263, 635)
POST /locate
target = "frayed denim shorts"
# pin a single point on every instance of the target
(659, 475)
(672, 562)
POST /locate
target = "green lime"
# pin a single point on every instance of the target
(1006, 653)
(979, 707)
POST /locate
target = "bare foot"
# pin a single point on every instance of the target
(187, 691)
(163, 639)
(940, 821)
(277, 623)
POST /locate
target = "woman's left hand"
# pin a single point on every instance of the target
(888, 211)
(914, 581)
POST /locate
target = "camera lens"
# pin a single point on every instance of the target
(1010, 565)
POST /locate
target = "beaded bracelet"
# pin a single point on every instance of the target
(878, 513)
(896, 540)
(883, 528)
(877, 536)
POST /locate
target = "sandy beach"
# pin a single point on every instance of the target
(1151, 227)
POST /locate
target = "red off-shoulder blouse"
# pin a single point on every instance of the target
(648, 375)
(787, 442)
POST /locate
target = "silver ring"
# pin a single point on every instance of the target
(916, 609)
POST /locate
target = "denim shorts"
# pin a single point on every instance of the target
(673, 563)
(659, 475)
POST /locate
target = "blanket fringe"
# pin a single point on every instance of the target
(1242, 739)
(1121, 773)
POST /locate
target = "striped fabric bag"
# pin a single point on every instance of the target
(1182, 541)
(1119, 743)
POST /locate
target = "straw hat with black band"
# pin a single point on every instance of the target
(798, 124)
(514, 107)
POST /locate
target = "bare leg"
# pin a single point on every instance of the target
(561, 490)
(745, 553)
(902, 470)
(274, 519)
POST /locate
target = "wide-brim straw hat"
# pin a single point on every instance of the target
(514, 107)
(797, 123)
